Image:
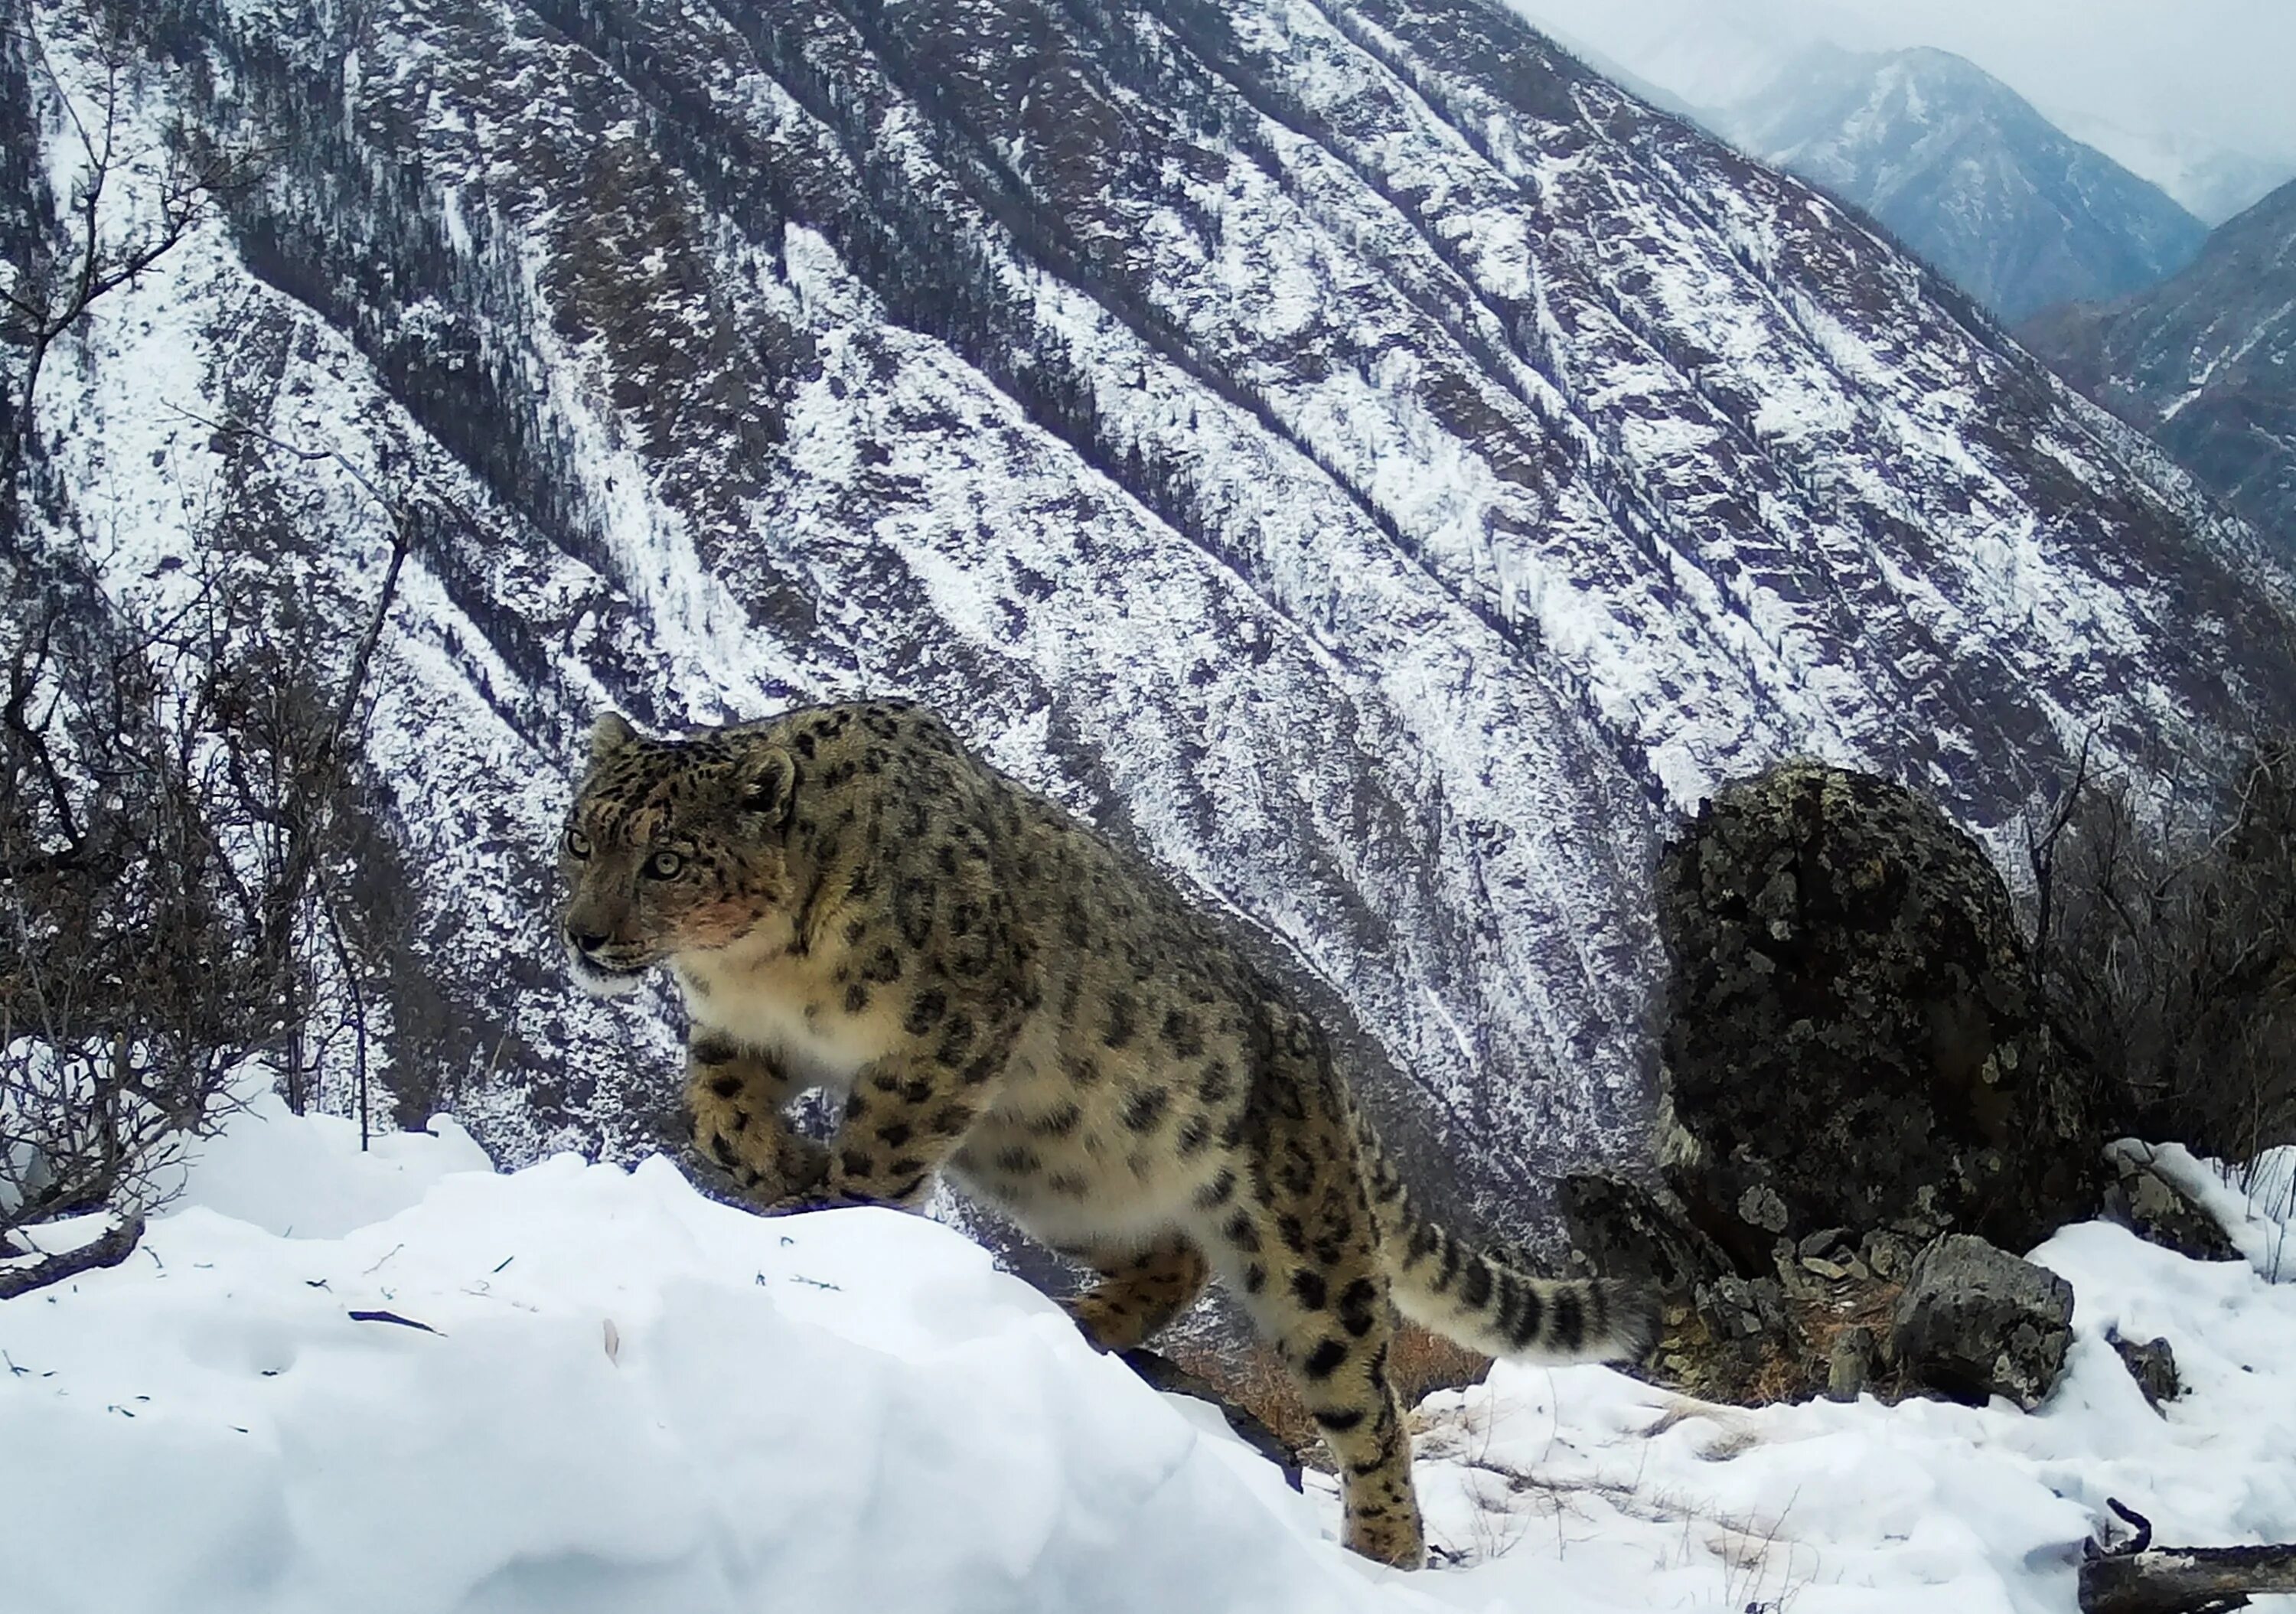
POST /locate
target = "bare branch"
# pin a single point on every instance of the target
(109, 1250)
(2041, 852)
(62, 280)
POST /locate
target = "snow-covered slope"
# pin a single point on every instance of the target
(2206, 363)
(1962, 167)
(579, 1388)
(399, 1384)
(1358, 453)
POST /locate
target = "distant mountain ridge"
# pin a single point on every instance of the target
(1721, 53)
(1965, 170)
(2213, 181)
(2206, 363)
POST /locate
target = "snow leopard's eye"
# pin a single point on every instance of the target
(664, 866)
(577, 844)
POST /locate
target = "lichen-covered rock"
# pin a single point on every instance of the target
(1850, 1363)
(2151, 1204)
(1856, 1062)
(1976, 1321)
(1854, 1037)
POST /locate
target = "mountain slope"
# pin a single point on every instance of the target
(2206, 363)
(1358, 453)
(2016, 212)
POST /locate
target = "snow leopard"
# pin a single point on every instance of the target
(1002, 996)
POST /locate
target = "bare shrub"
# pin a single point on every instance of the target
(180, 832)
(2168, 952)
(127, 992)
(180, 837)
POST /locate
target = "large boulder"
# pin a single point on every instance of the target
(1855, 1062)
(1975, 1322)
(1854, 1036)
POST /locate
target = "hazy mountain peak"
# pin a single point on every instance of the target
(1967, 173)
(2214, 180)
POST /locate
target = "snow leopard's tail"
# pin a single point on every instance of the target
(1486, 1299)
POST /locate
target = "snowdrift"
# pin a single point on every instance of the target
(396, 1381)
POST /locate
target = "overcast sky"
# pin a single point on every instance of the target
(2204, 74)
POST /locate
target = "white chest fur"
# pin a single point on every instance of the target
(764, 996)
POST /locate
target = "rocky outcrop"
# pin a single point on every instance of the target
(1855, 1063)
(1975, 1322)
(1854, 1037)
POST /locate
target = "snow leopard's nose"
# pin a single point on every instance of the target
(586, 942)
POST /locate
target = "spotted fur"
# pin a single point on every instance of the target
(850, 900)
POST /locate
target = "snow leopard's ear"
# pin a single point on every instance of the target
(765, 783)
(610, 733)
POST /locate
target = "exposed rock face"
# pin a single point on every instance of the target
(1976, 1321)
(1856, 1062)
(1853, 1036)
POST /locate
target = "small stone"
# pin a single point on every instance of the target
(1850, 1363)
(1825, 1269)
(1891, 1257)
(1761, 1207)
(1818, 1243)
(2152, 1365)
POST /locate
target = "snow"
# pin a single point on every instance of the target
(1642, 1499)
(621, 1395)
(307, 1177)
(578, 1387)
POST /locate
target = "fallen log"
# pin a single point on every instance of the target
(2141, 1578)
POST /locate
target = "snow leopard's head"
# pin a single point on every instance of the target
(673, 846)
